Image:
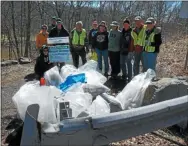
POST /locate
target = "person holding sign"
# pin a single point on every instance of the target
(78, 43)
(42, 62)
(59, 31)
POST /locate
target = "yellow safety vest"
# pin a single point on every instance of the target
(79, 39)
(139, 39)
(147, 43)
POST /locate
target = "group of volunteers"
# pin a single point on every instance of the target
(115, 47)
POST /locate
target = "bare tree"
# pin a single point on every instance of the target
(14, 30)
(28, 29)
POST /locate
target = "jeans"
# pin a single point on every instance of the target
(114, 62)
(125, 61)
(150, 60)
(102, 54)
(138, 57)
(75, 57)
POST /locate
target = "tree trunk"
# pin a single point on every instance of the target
(28, 27)
(21, 29)
(14, 30)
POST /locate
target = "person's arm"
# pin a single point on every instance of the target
(131, 45)
(90, 37)
(157, 39)
(157, 43)
(86, 44)
(70, 40)
(67, 33)
(121, 40)
(94, 41)
(107, 40)
(38, 42)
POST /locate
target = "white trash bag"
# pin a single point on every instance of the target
(31, 93)
(78, 101)
(67, 70)
(53, 77)
(99, 107)
(89, 65)
(132, 95)
(94, 77)
(95, 90)
(115, 104)
(76, 88)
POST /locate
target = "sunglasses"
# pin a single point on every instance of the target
(44, 28)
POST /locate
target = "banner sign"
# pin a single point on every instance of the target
(59, 53)
(58, 40)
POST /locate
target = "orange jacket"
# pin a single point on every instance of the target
(41, 40)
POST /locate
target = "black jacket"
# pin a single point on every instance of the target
(100, 40)
(125, 41)
(54, 32)
(92, 33)
(157, 38)
(42, 65)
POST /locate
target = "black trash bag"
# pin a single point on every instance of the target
(14, 138)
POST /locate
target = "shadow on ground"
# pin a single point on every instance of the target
(116, 85)
(30, 77)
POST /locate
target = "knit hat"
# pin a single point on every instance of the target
(44, 47)
(59, 21)
(126, 20)
(44, 26)
(54, 18)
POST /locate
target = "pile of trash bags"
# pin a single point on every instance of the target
(85, 91)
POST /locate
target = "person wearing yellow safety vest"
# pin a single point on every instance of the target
(138, 34)
(152, 43)
(78, 44)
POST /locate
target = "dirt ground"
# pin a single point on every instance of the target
(170, 63)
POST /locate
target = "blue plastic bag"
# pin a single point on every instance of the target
(71, 80)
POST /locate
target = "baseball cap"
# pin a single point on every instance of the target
(150, 20)
(79, 22)
(114, 23)
(137, 18)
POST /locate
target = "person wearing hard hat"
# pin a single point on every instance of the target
(152, 42)
(41, 38)
(138, 35)
(114, 49)
(78, 43)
